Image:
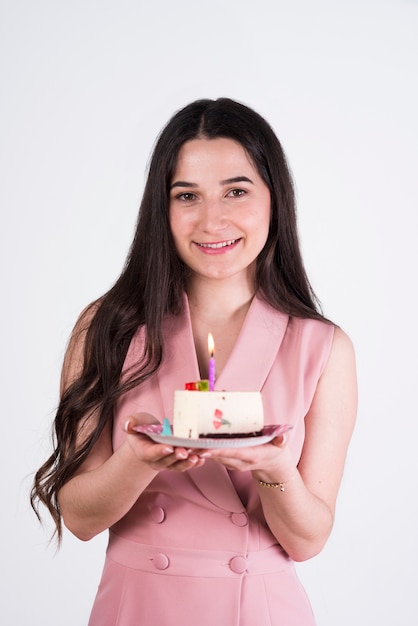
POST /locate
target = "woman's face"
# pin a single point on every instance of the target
(219, 209)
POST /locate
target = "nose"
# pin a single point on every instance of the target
(214, 217)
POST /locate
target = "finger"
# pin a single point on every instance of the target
(232, 464)
(127, 427)
(137, 419)
(181, 456)
(179, 465)
(145, 448)
(181, 453)
(280, 441)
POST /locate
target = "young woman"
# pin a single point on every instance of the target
(204, 536)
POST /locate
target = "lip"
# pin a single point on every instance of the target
(218, 247)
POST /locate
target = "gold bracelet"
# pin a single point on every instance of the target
(281, 484)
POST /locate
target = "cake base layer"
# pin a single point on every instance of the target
(257, 433)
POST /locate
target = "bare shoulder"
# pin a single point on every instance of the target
(338, 383)
(74, 354)
(342, 340)
(342, 350)
(71, 371)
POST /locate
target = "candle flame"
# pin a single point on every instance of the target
(211, 345)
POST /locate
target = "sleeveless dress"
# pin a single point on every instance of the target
(191, 550)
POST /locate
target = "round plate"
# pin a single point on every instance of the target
(153, 431)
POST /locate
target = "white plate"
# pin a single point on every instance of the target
(267, 434)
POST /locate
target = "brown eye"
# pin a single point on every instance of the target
(237, 193)
(186, 197)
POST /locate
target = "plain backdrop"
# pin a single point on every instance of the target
(85, 88)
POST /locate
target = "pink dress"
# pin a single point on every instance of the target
(191, 550)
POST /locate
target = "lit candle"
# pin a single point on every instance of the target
(211, 348)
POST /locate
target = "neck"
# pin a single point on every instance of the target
(220, 299)
(218, 307)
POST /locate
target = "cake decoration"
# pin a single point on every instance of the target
(166, 427)
(199, 385)
(218, 420)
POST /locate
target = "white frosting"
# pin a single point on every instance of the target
(216, 412)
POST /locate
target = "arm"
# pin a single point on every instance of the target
(301, 516)
(108, 483)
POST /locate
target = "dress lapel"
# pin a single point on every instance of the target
(179, 364)
(255, 350)
(214, 482)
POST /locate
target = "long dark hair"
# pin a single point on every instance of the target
(154, 279)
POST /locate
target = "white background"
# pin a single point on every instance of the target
(85, 88)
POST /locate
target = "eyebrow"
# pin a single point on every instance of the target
(237, 179)
(227, 181)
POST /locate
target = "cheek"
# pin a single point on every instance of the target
(176, 225)
(181, 222)
(262, 229)
(181, 230)
(263, 234)
(260, 222)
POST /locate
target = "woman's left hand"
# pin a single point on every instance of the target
(270, 461)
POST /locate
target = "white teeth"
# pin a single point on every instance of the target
(222, 244)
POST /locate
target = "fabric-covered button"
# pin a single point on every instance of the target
(239, 519)
(161, 561)
(157, 514)
(238, 564)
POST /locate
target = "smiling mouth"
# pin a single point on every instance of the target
(221, 244)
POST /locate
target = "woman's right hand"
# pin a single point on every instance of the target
(160, 456)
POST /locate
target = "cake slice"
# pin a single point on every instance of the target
(217, 414)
